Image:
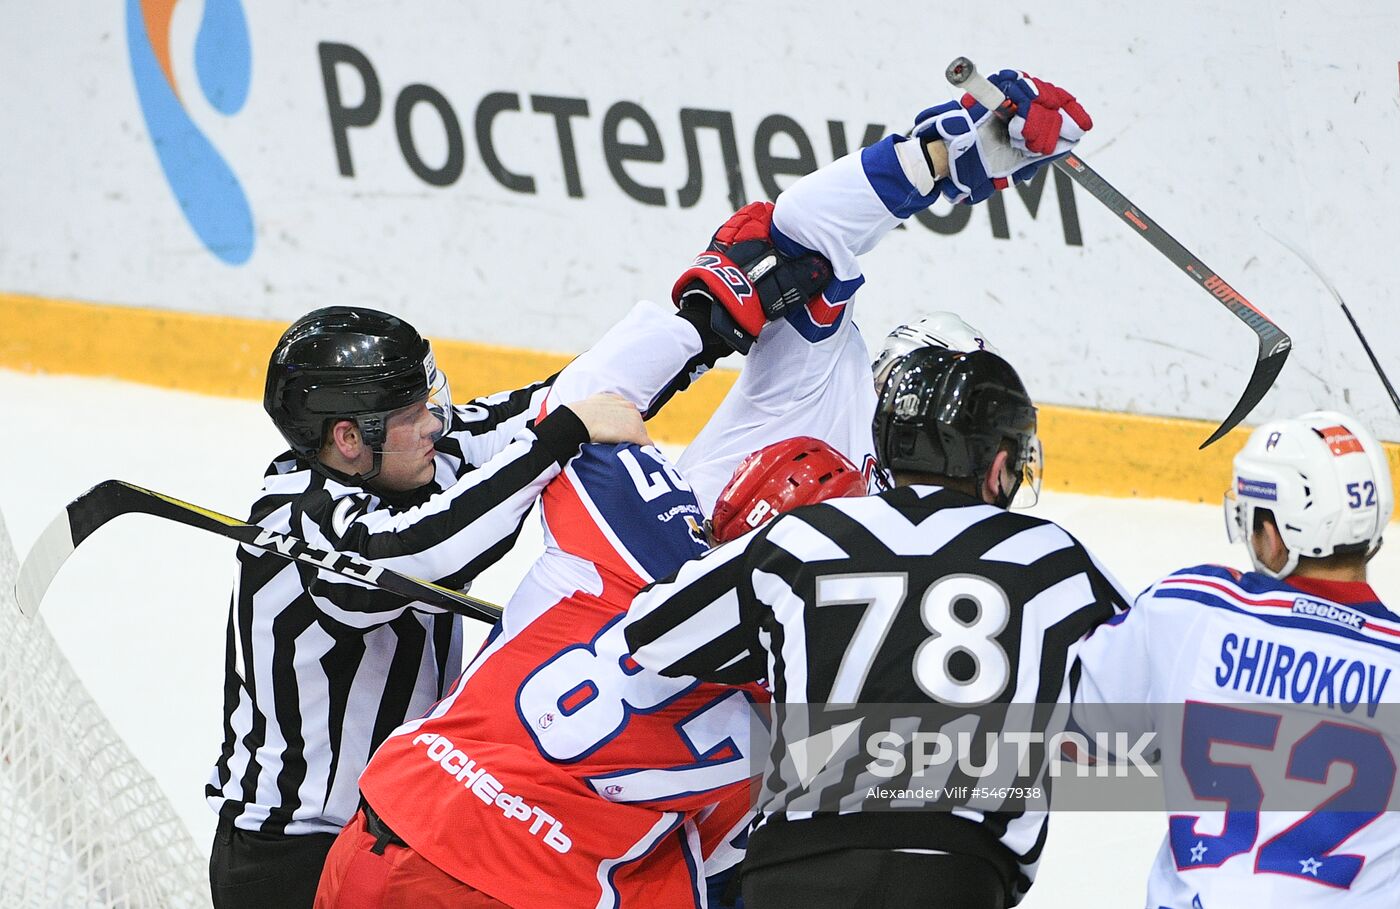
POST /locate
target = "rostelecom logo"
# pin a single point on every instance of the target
(209, 193)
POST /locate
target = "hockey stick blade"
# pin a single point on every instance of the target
(1274, 343)
(45, 558)
(113, 498)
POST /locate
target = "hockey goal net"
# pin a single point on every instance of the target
(82, 824)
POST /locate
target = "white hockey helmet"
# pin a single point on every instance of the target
(1324, 478)
(940, 329)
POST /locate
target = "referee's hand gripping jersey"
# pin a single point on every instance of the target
(931, 593)
(320, 669)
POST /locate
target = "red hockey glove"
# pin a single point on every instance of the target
(745, 281)
(1047, 116)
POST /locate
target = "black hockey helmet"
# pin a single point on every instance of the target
(347, 363)
(947, 412)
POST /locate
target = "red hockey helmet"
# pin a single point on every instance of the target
(779, 478)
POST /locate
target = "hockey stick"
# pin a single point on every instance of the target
(1316, 270)
(114, 498)
(1274, 344)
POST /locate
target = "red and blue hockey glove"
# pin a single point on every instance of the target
(1048, 119)
(986, 155)
(745, 281)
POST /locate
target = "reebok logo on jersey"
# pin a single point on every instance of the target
(1330, 611)
(1256, 489)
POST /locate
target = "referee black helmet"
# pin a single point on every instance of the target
(947, 413)
(344, 363)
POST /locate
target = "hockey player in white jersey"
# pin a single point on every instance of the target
(842, 211)
(1266, 685)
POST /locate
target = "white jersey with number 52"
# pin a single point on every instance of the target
(1275, 704)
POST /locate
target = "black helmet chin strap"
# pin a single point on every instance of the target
(371, 430)
(350, 479)
(1005, 496)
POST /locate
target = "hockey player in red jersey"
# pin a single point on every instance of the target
(556, 772)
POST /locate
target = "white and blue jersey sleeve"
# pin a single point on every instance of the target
(638, 358)
(843, 211)
(809, 373)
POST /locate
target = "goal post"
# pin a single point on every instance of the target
(83, 823)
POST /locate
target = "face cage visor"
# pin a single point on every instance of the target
(375, 428)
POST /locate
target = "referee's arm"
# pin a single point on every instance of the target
(703, 620)
(464, 529)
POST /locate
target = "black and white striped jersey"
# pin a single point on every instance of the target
(321, 668)
(916, 596)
